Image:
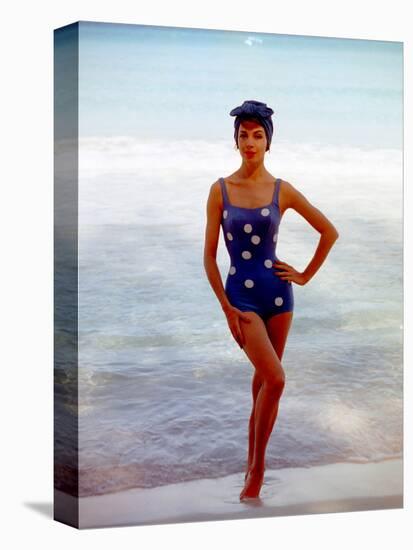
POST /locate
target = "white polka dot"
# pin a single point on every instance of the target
(268, 263)
(255, 239)
(246, 255)
(247, 228)
(225, 213)
(248, 283)
(232, 270)
(275, 237)
(265, 211)
(278, 301)
(229, 236)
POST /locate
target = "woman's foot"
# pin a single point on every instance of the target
(253, 483)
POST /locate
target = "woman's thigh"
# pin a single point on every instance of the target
(260, 350)
(277, 328)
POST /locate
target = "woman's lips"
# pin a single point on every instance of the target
(250, 153)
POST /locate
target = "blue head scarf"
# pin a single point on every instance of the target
(257, 110)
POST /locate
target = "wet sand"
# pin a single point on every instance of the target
(340, 487)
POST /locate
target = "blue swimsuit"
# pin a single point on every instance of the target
(251, 237)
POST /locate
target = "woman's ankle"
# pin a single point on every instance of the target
(257, 469)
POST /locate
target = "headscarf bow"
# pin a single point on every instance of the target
(257, 110)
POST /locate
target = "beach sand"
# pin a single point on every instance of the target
(340, 487)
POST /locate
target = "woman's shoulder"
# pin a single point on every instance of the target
(215, 193)
(287, 194)
(287, 187)
(215, 188)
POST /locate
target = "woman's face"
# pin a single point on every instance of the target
(252, 141)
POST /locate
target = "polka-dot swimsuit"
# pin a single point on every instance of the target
(251, 238)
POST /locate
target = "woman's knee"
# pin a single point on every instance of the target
(275, 381)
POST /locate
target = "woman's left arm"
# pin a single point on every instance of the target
(329, 234)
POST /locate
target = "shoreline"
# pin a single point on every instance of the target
(332, 488)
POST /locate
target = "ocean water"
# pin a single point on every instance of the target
(180, 83)
(164, 390)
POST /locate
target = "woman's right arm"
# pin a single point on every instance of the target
(214, 213)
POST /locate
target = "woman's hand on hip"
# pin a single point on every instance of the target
(286, 272)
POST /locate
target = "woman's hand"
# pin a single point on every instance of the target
(288, 273)
(234, 317)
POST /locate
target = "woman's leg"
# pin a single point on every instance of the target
(255, 388)
(278, 327)
(263, 357)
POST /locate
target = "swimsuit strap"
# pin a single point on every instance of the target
(277, 190)
(224, 192)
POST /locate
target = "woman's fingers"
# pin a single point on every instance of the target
(282, 273)
(281, 267)
(234, 321)
(238, 332)
(235, 330)
(239, 336)
(245, 318)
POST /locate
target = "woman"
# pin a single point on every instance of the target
(258, 297)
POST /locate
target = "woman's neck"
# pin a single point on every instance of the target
(252, 171)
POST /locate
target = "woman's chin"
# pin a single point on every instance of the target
(252, 159)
